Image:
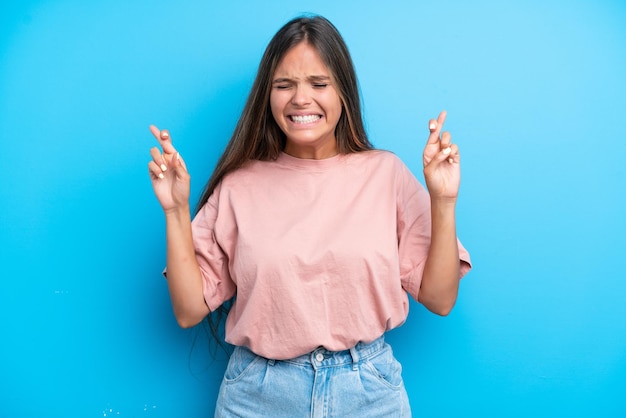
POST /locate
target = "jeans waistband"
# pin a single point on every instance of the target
(322, 357)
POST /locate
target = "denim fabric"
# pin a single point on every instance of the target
(364, 381)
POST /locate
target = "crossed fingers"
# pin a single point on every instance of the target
(161, 161)
(442, 141)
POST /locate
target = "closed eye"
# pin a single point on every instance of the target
(320, 85)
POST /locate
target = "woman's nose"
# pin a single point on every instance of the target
(301, 96)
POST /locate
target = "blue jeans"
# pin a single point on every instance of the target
(364, 381)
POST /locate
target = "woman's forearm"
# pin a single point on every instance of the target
(183, 273)
(440, 280)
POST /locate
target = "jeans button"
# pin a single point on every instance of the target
(319, 357)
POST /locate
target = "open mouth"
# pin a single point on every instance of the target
(304, 118)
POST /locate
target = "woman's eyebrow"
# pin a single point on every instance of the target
(319, 78)
(282, 80)
(310, 78)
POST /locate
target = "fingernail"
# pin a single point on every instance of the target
(161, 176)
(178, 156)
(432, 126)
(446, 151)
(163, 167)
(164, 135)
(450, 160)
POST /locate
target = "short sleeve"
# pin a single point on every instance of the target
(218, 286)
(414, 231)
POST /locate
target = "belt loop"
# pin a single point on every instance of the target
(271, 362)
(355, 358)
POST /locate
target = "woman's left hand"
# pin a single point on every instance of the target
(442, 170)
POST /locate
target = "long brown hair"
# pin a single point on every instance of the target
(257, 136)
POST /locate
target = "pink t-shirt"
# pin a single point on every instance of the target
(319, 252)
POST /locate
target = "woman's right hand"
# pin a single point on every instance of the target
(170, 179)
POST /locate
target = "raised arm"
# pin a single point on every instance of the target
(442, 173)
(170, 181)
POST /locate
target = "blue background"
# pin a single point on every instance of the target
(535, 93)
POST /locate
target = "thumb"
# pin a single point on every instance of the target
(442, 155)
(178, 161)
(437, 159)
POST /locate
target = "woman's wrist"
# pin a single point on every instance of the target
(177, 213)
(443, 204)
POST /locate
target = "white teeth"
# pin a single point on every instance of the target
(305, 119)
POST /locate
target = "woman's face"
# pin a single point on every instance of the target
(305, 103)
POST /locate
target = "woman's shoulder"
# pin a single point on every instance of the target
(379, 157)
(252, 171)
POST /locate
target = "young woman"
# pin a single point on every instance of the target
(319, 236)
